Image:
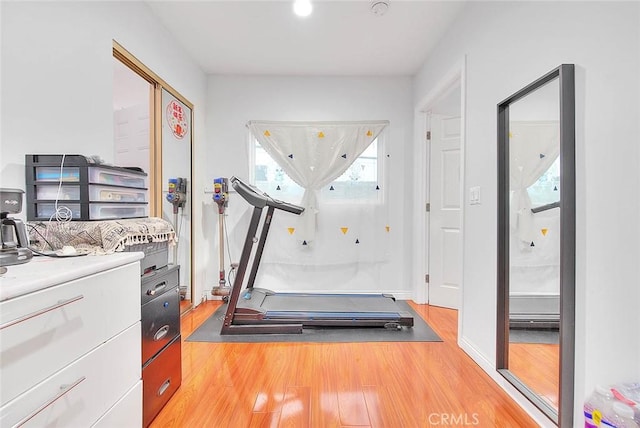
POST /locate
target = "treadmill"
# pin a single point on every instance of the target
(254, 310)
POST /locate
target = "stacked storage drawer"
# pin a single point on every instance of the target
(90, 191)
(161, 340)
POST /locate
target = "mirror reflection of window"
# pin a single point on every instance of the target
(546, 189)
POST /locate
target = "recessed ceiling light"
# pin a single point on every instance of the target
(302, 7)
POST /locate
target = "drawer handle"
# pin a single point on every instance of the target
(60, 304)
(162, 332)
(63, 390)
(157, 288)
(164, 387)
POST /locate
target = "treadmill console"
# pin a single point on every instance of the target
(259, 199)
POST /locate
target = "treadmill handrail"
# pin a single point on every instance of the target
(260, 199)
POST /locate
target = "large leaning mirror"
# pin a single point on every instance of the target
(536, 242)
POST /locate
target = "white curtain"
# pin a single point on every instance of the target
(533, 147)
(314, 154)
(537, 270)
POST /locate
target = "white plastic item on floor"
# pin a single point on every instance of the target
(619, 416)
(599, 402)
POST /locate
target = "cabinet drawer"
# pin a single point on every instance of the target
(82, 392)
(42, 332)
(160, 322)
(161, 377)
(116, 194)
(104, 211)
(48, 209)
(61, 193)
(125, 413)
(159, 281)
(117, 177)
(53, 173)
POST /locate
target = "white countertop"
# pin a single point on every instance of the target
(43, 272)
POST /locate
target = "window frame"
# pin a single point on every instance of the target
(381, 172)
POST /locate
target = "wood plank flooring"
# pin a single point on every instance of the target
(538, 366)
(336, 384)
(185, 305)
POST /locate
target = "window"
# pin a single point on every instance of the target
(361, 182)
(546, 190)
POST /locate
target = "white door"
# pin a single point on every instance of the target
(445, 243)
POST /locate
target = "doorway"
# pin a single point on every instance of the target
(152, 129)
(440, 192)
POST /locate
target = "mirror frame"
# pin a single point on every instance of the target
(563, 416)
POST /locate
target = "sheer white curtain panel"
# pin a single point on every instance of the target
(314, 154)
(533, 147)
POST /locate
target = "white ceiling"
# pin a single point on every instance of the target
(340, 38)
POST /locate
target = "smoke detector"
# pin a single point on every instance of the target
(379, 7)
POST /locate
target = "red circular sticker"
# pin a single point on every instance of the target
(176, 119)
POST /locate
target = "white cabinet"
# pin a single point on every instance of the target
(126, 412)
(70, 352)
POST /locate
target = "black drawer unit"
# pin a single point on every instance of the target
(160, 323)
(161, 377)
(87, 189)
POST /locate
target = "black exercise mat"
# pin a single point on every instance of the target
(517, 335)
(209, 331)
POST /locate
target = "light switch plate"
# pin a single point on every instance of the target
(474, 195)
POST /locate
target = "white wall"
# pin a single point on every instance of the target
(233, 101)
(508, 45)
(57, 79)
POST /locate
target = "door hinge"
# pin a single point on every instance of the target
(428, 135)
(426, 278)
(428, 207)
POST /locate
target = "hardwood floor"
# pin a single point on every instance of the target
(538, 366)
(336, 384)
(185, 305)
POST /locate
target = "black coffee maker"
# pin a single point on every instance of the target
(13, 233)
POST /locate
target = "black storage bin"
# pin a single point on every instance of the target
(90, 190)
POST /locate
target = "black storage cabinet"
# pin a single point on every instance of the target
(75, 179)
